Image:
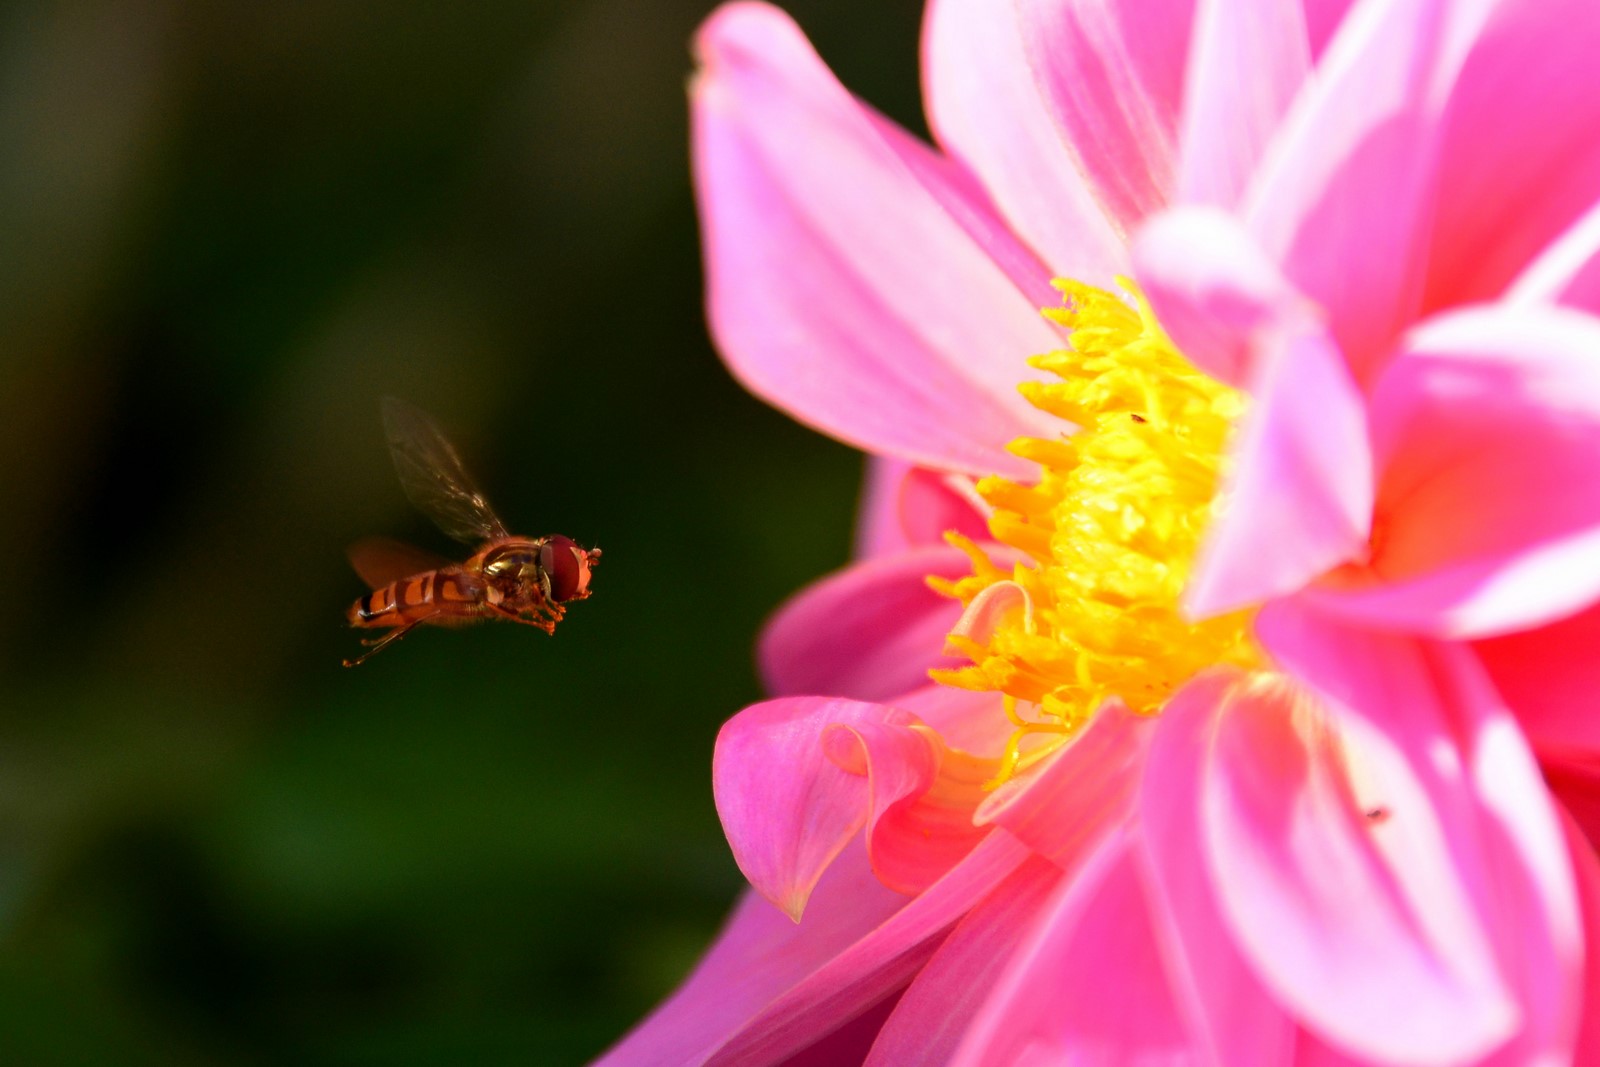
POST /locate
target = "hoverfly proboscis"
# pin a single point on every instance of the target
(518, 579)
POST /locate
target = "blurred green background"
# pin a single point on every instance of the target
(227, 228)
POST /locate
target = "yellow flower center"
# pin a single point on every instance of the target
(1112, 527)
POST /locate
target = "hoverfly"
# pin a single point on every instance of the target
(520, 579)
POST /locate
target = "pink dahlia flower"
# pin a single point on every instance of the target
(1278, 575)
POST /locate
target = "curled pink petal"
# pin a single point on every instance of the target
(969, 721)
(1246, 63)
(987, 108)
(1299, 500)
(1401, 835)
(787, 808)
(1089, 984)
(871, 631)
(1218, 296)
(922, 798)
(1113, 77)
(822, 227)
(795, 778)
(932, 1016)
(1487, 432)
(1234, 1016)
(1077, 795)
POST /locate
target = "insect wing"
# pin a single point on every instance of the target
(381, 560)
(434, 479)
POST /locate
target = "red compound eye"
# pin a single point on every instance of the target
(565, 564)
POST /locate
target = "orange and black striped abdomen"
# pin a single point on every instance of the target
(440, 596)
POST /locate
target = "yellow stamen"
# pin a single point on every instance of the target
(1112, 527)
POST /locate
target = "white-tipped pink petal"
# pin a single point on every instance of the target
(1357, 948)
(758, 956)
(788, 809)
(1112, 76)
(1215, 292)
(1089, 984)
(904, 506)
(933, 1015)
(1519, 160)
(1299, 499)
(1246, 62)
(986, 107)
(1487, 440)
(1233, 1015)
(1343, 198)
(854, 278)
(1076, 796)
(1567, 270)
(1396, 838)
(871, 631)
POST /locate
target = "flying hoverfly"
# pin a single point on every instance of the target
(529, 580)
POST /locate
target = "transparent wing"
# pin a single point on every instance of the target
(381, 560)
(433, 478)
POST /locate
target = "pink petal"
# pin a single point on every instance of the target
(1063, 807)
(1089, 985)
(1586, 871)
(1316, 908)
(879, 531)
(903, 506)
(1566, 271)
(932, 1017)
(1343, 197)
(970, 721)
(1246, 63)
(1519, 158)
(758, 956)
(922, 795)
(870, 631)
(1487, 440)
(1392, 863)
(787, 808)
(1549, 678)
(1576, 784)
(1217, 295)
(872, 968)
(986, 107)
(1323, 18)
(854, 278)
(848, 1045)
(795, 778)
(1299, 499)
(1112, 77)
(1233, 1014)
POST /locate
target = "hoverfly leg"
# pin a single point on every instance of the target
(378, 644)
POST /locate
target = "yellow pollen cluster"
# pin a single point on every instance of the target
(1112, 527)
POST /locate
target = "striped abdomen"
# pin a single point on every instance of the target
(439, 596)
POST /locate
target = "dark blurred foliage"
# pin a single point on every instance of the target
(227, 228)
